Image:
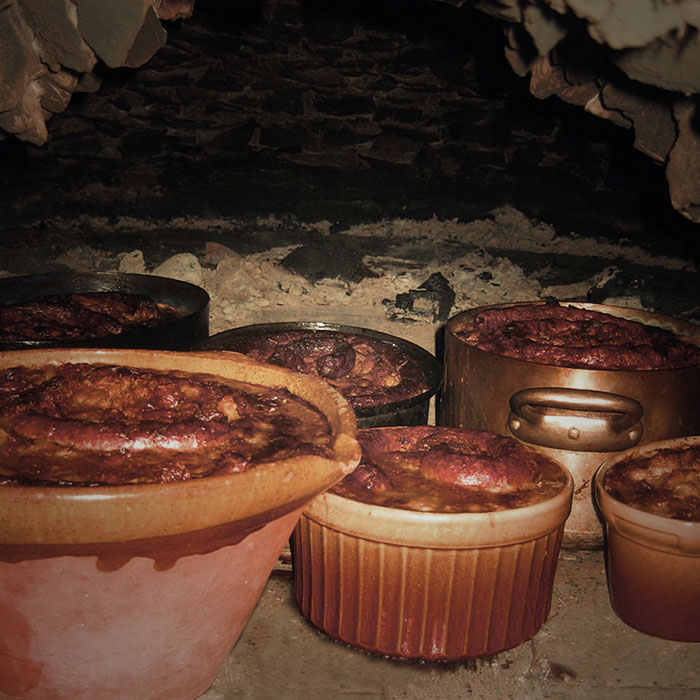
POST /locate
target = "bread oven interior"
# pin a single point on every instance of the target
(382, 164)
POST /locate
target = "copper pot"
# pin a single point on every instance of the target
(579, 417)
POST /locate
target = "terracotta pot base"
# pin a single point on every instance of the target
(135, 633)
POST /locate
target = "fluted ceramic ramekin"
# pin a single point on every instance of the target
(424, 585)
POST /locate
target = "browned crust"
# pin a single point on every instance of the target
(368, 372)
(80, 316)
(104, 424)
(445, 469)
(665, 483)
(569, 336)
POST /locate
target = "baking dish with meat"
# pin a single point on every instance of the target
(386, 379)
(649, 497)
(579, 412)
(144, 498)
(101, 309)
(442, 545)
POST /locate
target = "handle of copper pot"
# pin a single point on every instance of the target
(583, 420)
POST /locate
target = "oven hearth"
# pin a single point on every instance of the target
(379, 165)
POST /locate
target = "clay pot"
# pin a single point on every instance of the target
(424, 585)
(653, 562)
(140, 592)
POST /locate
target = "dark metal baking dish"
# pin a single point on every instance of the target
(411, 411)
(190, 301)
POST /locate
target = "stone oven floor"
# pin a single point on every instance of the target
(583, 651)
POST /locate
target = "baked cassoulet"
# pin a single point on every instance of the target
(100, 424)
(569, 336)
(81, 316)
(368, 372)
(666, 482)
(449, 470)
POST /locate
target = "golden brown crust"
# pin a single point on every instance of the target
(366, 371)
(80, 316)
(104, 424)
(445, 469)
(569, 336)
(665, 483)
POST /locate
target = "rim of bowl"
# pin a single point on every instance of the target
(650, 529)
(442, 530)
(88, 514)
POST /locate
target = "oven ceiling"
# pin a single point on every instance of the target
(633, 62)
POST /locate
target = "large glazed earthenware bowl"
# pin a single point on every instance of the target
(139, 592)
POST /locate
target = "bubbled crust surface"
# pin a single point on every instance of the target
(80, 315)
(103, 424)
(665, 483)
(366, 371)
(441, 469)
(569, 336)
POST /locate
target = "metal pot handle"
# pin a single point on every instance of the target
(583, 420)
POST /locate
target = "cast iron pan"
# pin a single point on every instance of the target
(412, 411)
(191, 302)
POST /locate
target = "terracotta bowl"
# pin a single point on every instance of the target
(136, 592)
(427, 586)
(653, 562)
